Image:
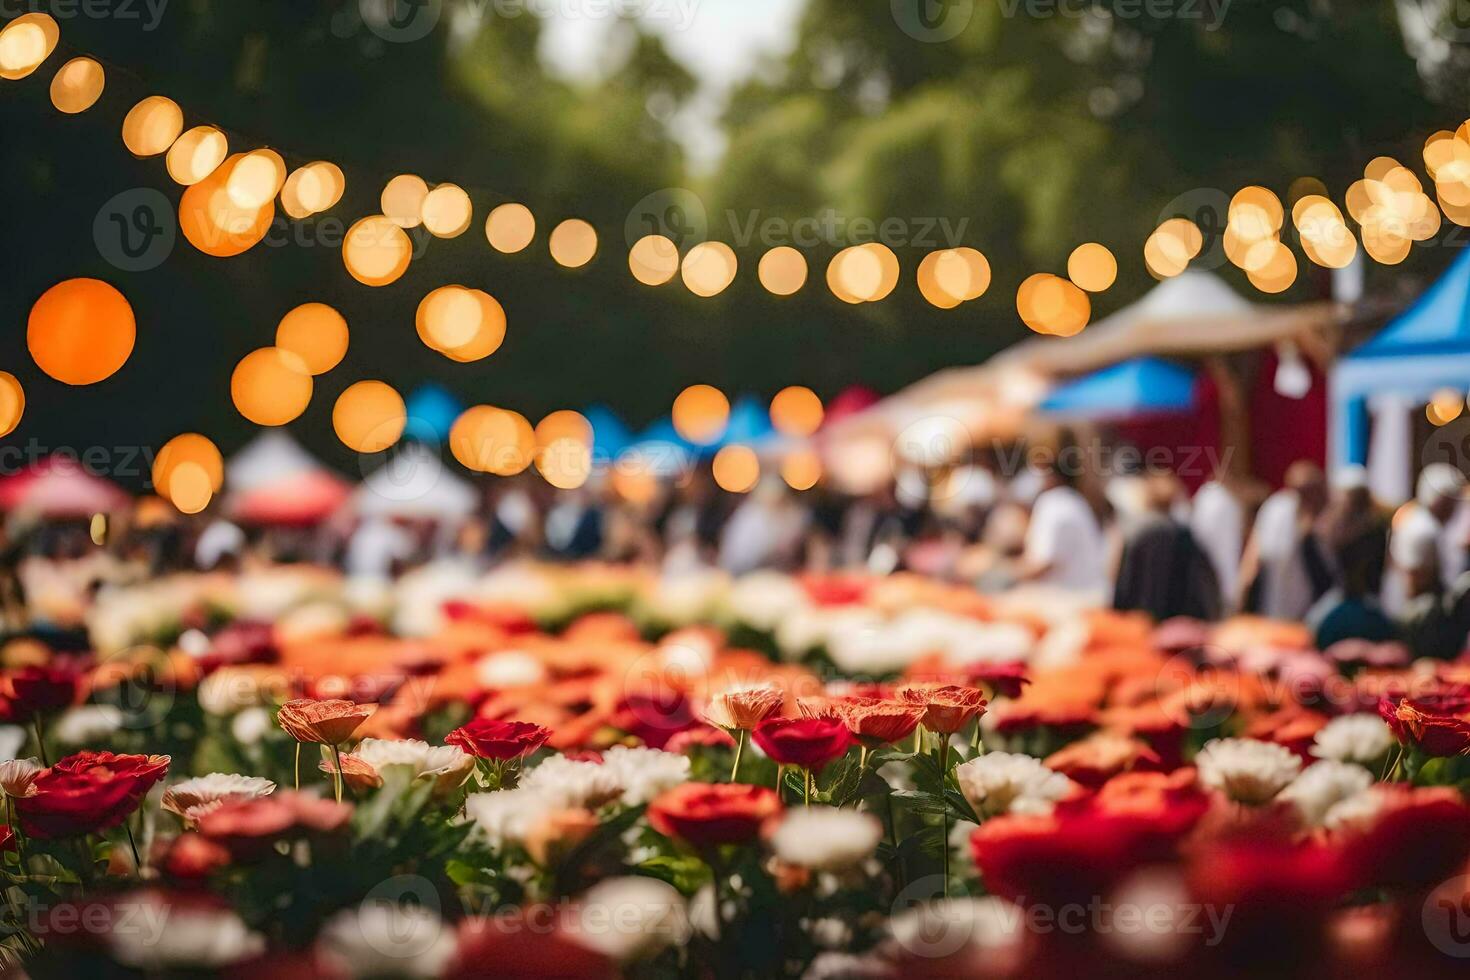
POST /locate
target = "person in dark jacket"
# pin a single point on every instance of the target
(1162, 570)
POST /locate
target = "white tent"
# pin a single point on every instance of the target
(414, 483)
(271, 457)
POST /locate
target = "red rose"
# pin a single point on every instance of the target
(190, 857)
(38, 690)
(485, 738)
(1419, 838)
(810, 743)
(88, 792)
(519, 944)
(249, 828)
(1438, 722)
(713, 813)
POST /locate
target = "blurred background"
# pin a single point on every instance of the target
(1022, 129)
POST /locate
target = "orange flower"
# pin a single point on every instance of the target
(947, 707)
(558, 832)
(743, 708)
(875, 723)
(325, 722)
(1096, 759)
(356, 773)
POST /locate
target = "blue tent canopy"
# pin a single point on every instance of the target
(1142, 386)
(609, 435)
(1426, 348)
(749, 425)
(660, 448)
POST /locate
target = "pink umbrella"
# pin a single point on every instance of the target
(58, 487)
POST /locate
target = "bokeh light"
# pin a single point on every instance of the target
(447, 211)
(466, 324)
(151, 126)
(510, 228)
(494, 440)
(369, 416)
(256, 179)
(77, 86)
(270, 386)
(316, 333)
(736, 469)
(81, 331)
(802, 469)
(797, 411)
(563, 424)
(782, 270)
(25, 43)
(188, 488)
(1092, 267)
(653, 260)
(566, 464)
(196, 154)
(709, 268)
(12, 403)
(700, 414)
(312, 189)
(1445, 405)
(214, 224)
(402, 200)
(188, 448)
(1051, 305)
(376, 251)
(573, 243)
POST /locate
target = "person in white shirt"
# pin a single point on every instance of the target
(1064, 541)
(1218, 524)
(1427, 527)
(1285, 569)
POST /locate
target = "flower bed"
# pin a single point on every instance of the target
(592, 772)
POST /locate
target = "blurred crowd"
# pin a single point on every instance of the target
(1319, 550)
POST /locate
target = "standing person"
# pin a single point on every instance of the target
(1356, 529)
(1285, 568)
(1064, 542)
(1218, 523)
(1426, 523)
(1162, 570)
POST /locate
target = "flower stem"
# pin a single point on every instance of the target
(337, 781)
(298, 766)
(137, 859)
(40, 740)
(807, 788)
(739, 748)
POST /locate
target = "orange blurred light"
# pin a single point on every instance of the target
(701, 413)
(81, 331)
(736, 469)
(369, 416)
(270, 386)
(797, 411)
(77, 85)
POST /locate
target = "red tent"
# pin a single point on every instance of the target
(274, 481)
(59, 487)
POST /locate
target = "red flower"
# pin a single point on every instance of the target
(190, 857)
(324, 722)
(1419, 838)
(1004, 680)
(1094, 760)
(517, 944)
(947, 707)
(1438, 722)
(88, 792)
(810, 743)
(38, 690)
(7, 838)
(250, 828)
(485, 738)
(713, 813)
(705, 736)
(875, 723)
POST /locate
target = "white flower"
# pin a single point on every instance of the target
(826, 838)
(1005, 782)
(87, 724)
(1246, 770)
(164, 935)
(1322, 786)
(847, 966)
(193, 798)
(631, 918)
(17, 775)
(644, 773)
(380, 938)
(1360, 738)
(1357, 810)
(762, 600)
(509, 668)
(446, 762)
(251, 725)
(232, 689)
(506, 816)
(570, 784)
(945, 926)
